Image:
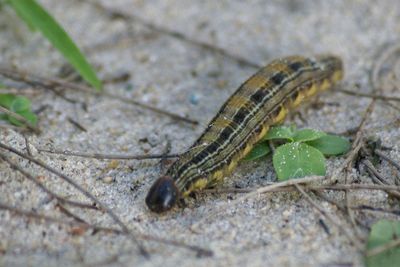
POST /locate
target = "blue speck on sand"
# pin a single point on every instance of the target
(194, 98)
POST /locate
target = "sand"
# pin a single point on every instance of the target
(276, 229)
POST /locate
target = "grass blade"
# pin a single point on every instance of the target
(36, 16)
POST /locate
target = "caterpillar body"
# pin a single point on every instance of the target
(260, 102)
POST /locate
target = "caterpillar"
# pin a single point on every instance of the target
(260, 102)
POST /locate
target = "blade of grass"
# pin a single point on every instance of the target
(36, 16)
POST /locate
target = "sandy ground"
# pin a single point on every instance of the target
(279, 229)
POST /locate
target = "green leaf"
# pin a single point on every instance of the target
(36, 16)
(296, 160)
(6, 100)
(307, 135)
(331, 145)
(258, 151)
(20, 104)
(383, 232)
(279, 132)
(31, 117)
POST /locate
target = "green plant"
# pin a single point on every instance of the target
(383, 244)
(20, 105)
(298, 153)
(36, 17)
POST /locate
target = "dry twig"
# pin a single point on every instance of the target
(336, 187)
(340, 206)
(106, 156)
(27, 146)
(43, 187)
(377, 250)
(114, 13)
(40, 217)
(51, 84)
(27, 123)
(378, 178)
(269, 188)
(326, 214)
(387, 158)
(374, 96)
(83, 191)
(77, 124)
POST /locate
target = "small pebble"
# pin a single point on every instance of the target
(221, 84)
(194, 98)
(108, 179)
(113, 164)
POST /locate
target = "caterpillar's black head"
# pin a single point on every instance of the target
(162, 195)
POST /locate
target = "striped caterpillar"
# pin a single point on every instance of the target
(260, 102)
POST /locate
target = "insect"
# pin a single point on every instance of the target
(260, 102)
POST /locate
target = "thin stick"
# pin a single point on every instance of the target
(84, 192)
(338, 205)
(376, 176)
(139, 104)
(40, 217)
(355, 187)
(366, 115)
(44, 188)
(28, 147)
(20, 91)
(70, 214)
(347, 199)
(393, 106)
(388, 159)
(347, 193)
(77, 124)
(336, 187)
(106, 156)
(349, 159)
(164, 159)
(377, 250)
(261, 190)
(327, 215)
(373, 209)
(51, 84)
(374, 78)
(357, 143)
(12, 127)
(28, 124)
(112, 12)
(268, 188)
(379, 178)
(380, 97)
